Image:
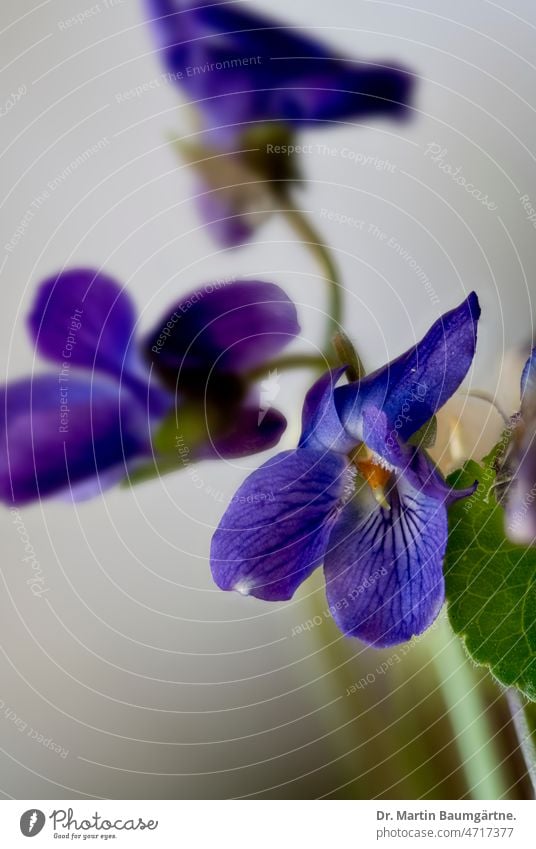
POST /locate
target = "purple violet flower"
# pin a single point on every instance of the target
(521, 459)
(255, 81)
(240, 67)
(357, 496)
(91, 422)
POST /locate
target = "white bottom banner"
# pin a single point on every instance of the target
(263, 824)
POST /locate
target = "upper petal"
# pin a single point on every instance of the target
(383, 568)
(321, 425)
(410, 389)
(58, 434)
(227, 327)
(269, 71)
(87, 319)
(274, 532)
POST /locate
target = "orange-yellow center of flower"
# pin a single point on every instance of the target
(376, 476)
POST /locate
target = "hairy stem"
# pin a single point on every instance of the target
(463, 698)
(524, 724)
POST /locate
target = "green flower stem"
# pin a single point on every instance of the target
(313, 240)
(524, 719)
(463, 698)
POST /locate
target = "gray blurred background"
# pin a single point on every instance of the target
(150, 681)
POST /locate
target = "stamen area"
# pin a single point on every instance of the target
(375, 475)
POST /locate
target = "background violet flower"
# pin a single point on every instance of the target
(238, 67)
(521, 462)
(255, 81)
(92, 421)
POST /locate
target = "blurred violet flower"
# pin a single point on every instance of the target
(96, 419)
(521, 463)
(357, 495)
(239, 67)
(254, 82)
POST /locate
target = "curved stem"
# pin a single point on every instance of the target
(309, 236)
(467, 713)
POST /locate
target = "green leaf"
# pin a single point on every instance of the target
(491, 583)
